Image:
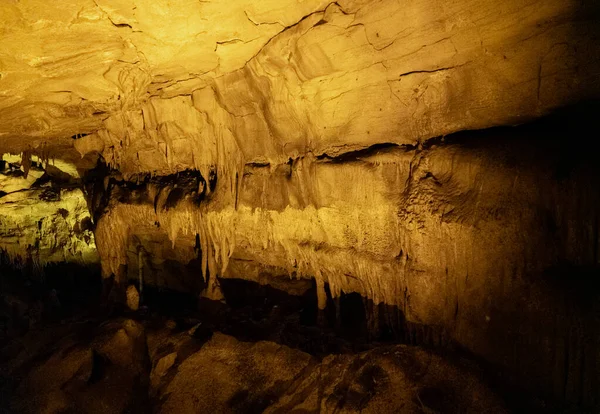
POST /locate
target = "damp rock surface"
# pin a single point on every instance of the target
(487, 240)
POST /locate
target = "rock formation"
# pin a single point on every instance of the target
(428, 156)
(44, 217)
(227, 375)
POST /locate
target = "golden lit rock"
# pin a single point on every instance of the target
(419, 168)
(133, 298)
(41, 223)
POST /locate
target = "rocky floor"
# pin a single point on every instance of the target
(173, 357)
(124, 365)
(260, 350)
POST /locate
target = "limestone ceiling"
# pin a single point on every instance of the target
(173, 84)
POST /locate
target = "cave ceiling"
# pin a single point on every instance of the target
(174, 85)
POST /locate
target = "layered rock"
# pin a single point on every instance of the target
(285, 78)
(44, 216)
(270, 378)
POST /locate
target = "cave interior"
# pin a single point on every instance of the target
(299, 206)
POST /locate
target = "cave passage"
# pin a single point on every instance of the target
(299, 206)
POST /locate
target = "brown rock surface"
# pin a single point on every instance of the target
(106, 369)
(227, 375)
(486, 239)
(104, 374)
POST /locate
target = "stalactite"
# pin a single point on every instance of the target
(321, 295)
(26, 162)
(141, 272)
(215, 230)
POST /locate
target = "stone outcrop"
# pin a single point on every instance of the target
(271, 378)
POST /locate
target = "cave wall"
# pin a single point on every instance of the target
(44, 216)
(489, 239)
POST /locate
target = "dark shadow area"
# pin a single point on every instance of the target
(102, 184)
(562, 137)
(253, 312)
(35, 297)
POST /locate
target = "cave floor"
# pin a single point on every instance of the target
(178, 355)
